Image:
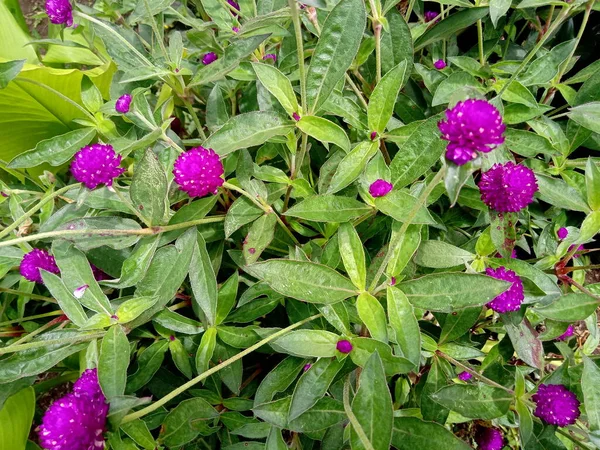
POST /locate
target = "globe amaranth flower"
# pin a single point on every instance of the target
(471, 126)
(511, 299)
(235, 5)
(562, 233)
(209, 58)
(465, 376)
(439, 64)
(344, 346)
(60, 11)
(77, 420)
(430, 15)
(271, 56)
(580, 248)
(96, 164)
(35, 260)
(198, 172)
(123, 103)
(570, 331)
(556, 405)
(508, 187)
(380, 187)
(489, 439)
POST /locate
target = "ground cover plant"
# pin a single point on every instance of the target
(322, 225)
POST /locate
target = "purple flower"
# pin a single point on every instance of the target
(60, 11)
(379, 188)
(198, 172)
(209, 58)
(580, 248)
(96, 164)
(344, 346)
(235, 29)
(465, 376)
(567, 334)
(373, 135)
(307, 367)
(508, 187)
(393, 281)
(271, 56)
(430, 15)
(123, 103)
(99, 275)
(511, 299)
(513, 254)
(235, 5)
(562, 233)
(556, 405)
(77, 420)
(35, 260)
(489, 439)
(296, 116)
(471, 126)
(439, 64)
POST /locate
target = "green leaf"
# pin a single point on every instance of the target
(324, 130)
(592, 184)
(91, 97)
(136, 265)
(54, 151)
(420, 152)
(138, 431)
(517, 93)
(396, 43)
(306, 281)
(411, 433)
(278, 379)
(439, 255)
(307, 343)
(558, 193)
(149, 361)
(353, 255)
(89, 242)
(498, 8)
(365, 347)
(590, 227)
(259, 237)
(9, 71)
(113, 362)
(404, 325)
(526, 143)
(248, 130)
(457, 324)
(398, 204)
(216, 109)
(546, 67)
(447, 292)
(336, 48)
(476, 401)
(352, 165)
(436, 379)
(525, 421)
(241, 212)
(238, 50)
(180, 357)
(278, 85)
(149, 188)
(587, 115)
(457, 83)
(176, 322)
(372, 406)
(226, 297)
(325, 414)
(569, 308)
(406, 248)
(275, 440)
(525, 342)
(328, 208)
(204, 281)
(450, 26)
(185, 422)
(383, 98)
(313, 385)
(590, 385)
(16, 417)
(206, 350)
(372, 315)
(67, 302)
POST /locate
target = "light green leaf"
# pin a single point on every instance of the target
(398, 204)
(324, 130)
(328, 208)
(477, 401)
(383, 98)
(113, 362)
(440, 254)
(353, 255)
(204, 281)
(16, 417)
(372, 314)
(404, 325)
(149, 188)
(307, 343)
(278, 85)
(352, 165)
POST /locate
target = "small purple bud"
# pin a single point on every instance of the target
(562, 233)
(234, 4)
(235, 29)
(123, 104)
(430, 15)
(465, 376)
(296, 116)
(567, 334)
(393, 281)
(373, 135)
(380, 187)
(439, 64)
(580, 248)
(344, 346)
(271, 56)
(209, 58)
(171, 338)
(4, 194)
(306, 367)
(114, 317)
(78, 293)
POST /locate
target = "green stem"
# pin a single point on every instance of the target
(195, 118)
(300, 50)
(473, 372)
(586, 16)
(377, 35)
(411, 216)
(352, 418)
(111, 232)
(154, 406)
(28, 295)
(356, 91)
(28, 318)
(37, 207)
(159, 36)
(480, 42)
(46, 343)
(564, 13)
(34, 333)
(411, 5)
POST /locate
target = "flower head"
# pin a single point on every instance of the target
(235, 5)
(35, 260)
(344, 346)
(96, 164)
(77, 420)
(471, 126)
(511, 299)
(271, 56)
(198, 172)
(430, 15)
(465, 376)
(209, 58)
(508, 187)
(567, 334)
(489, 439)
(439, 64)
(580, 248)
(60, 11)
(556, 405)
(562, 233)
(380, 187)
(123, 103)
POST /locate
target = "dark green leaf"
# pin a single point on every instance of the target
(477, 401)
(383, 98)
(411, 433)
(404, 325)
(113, 362)
(149, 188)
